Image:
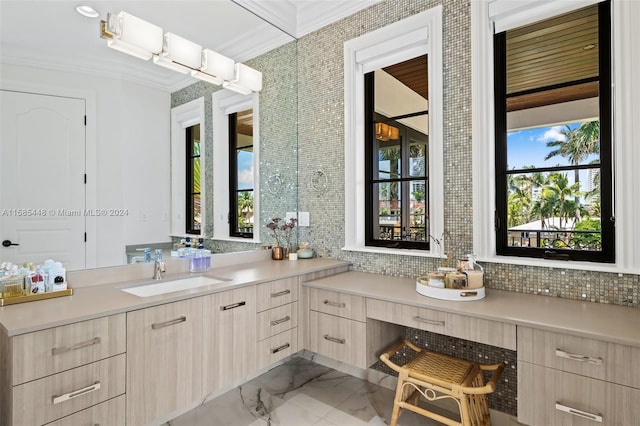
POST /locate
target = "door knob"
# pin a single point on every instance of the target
(8, 243)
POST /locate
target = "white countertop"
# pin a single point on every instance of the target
(88, 302)
(611, 323)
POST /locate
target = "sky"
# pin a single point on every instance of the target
(245, 170)
(529, 147)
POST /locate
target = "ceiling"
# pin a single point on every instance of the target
(550, 54)
(51, 34)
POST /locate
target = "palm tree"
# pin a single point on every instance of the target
(577, 145)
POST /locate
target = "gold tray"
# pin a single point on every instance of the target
(34, 297)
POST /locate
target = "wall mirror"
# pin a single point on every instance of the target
(48, 49)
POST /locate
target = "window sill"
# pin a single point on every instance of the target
(392, 251)
(558, 264)
(237, 240)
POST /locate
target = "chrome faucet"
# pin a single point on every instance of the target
(158, 269)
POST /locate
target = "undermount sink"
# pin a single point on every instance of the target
(163, 287)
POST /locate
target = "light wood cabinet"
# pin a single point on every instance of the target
(489, 332)
(592, 358)
(277, 347)
(276, 293)
(165, 361)
(52, 397)
(231, 340)
(276, 320)
(50, 351)
(111, 412)
(547, 396)
(52, 373)
(571, 380)
(339, 338)
(340, 304)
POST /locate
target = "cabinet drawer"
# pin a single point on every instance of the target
(107, 413)
(277, 320)
(276, 293)
(594, 358)
(492, 333)
(338, 338)
(277, 347)
(50, 351)
(550, 397)
(340, 304)
(56, 396)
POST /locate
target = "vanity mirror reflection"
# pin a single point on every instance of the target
(112, 188)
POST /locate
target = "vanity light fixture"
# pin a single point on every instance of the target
(179, 54)
(132, 35)
(246, 80)
(216, 68)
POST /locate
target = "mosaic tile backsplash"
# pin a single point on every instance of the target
(504, 398)
(318, 186)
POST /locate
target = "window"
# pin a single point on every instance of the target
(553, 131)
(396, 155)
(188, 192)
(241, 174)
(236, 166)
(193, 193)
(394, 147)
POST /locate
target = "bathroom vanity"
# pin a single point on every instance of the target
(106, 356)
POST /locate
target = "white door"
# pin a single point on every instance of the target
(42, 179)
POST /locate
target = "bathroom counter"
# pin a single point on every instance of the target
(611, 323)
(91, 301)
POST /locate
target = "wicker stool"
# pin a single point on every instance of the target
(436, 376)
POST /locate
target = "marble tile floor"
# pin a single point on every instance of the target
(301, 392)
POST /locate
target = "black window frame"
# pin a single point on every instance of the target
(605, 63)
(371, 117)
(189, 171)
(233, 179)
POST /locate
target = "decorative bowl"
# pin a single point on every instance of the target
(305, 253)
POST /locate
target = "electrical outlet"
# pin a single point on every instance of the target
(290, 215)
(303, 218)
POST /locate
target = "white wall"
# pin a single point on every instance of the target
(132, 167)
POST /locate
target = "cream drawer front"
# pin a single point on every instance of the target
(494, 333)
(594, 358)
(111, 412)
(340, 304)
(410, 316)
(550, 397)
(277, 293)
(50, 351)
(277, 347)
(277, 320)
(56, 396)
(338, 338)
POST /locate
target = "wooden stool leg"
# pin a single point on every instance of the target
(397, 400)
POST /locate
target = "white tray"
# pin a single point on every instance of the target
(463, 295)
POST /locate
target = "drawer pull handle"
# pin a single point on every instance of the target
(579, 413)
(468, 293)
(281, 348)
(281, 293)
(281, 320)
(577, 357)
(336, 304)
(158, 325)
(335, 339)
(76, 393)
(429, 321)
(58, 351)
(232, 306)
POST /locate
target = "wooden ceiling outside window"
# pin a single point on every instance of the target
(553, 53)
